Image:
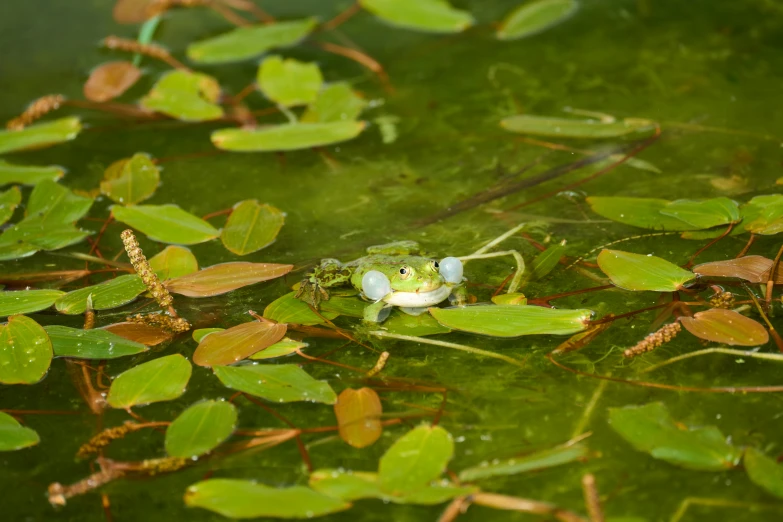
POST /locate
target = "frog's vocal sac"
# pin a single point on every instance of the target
(395, 274)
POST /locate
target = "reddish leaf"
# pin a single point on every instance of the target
(237, 343)
(136, 11)
(754, 269)
(145, 334)
(727, 327)
(358, 415)
(225, 277)
(109, 80)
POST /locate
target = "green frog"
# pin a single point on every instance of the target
(394, 274)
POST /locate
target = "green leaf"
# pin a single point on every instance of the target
(288, 136)
(432, 16)
(415, 325)
(638, 272)
(512, 320)
(247, 42)
(547, 260)
(651, 429)
(174, 261)
(14, 436)
(251, 227)
(185, 95)
(52, 203)
(9, 200)
(200, 428)
(132, 180)
(27, 175)
(763, 215)
(276, 383)
(352, 306)
(40, 135)
(90, 344)
(166, 223)
(415, 459)
(283, 347)
(764, 471)
(225, 277)
(573, 128)
(335, 102)
(236, 498)
(703, 213)
(533, 17)
(109, 294)
(539, 460)
(25, 351)
(289, 309)
(637, 212)
(31, 235)
(289, 82)
(237, 343)
(27, 301)
(161, 379)
(726, 327)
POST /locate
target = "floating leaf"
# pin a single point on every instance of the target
(415, 325)
(110, 80)
(726, 326)
(754, 269)
(350, 306)
(415, 459)
(237, 343)
(225, 277)
(283, 347)
(637, 212)
(9, 200)
(433, 16)
(90, 344)
(763, 215)
(289, 82)
(573, 128)
(14, 436)
(166, 223)
(764, 471)
(40, 135)
(109, 294)
(335, 102)
(24, 175)
(200, 429)
(512, 320)
(288, 136)
(247, 42)
(174, 261)
(288, 309)
(358, 415)
(27, 301)
(539, 460)
(136, 11)
(52, 203)
(251, 227)
(547, 260)
(276, 383)
(650, 428)
(198, 335)
(185, 95)
(356, 485)
(132, 180)
(161, 379)
(146, 334)
(703, 213)
(533, 17)
(514, 298)
(638, 272)
(25, 351)
(236, 498)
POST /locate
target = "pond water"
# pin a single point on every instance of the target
(708, 72)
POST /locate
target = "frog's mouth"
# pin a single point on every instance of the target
(418, 299)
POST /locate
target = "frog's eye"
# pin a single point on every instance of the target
(405, 272)
(451, 270)
(435, 265)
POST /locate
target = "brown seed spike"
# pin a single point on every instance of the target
(35, 110)
(658, 338)
(142, 267)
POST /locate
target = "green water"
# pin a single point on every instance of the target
(702, 62)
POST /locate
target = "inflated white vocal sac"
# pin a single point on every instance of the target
(451, 270)
(375, 285)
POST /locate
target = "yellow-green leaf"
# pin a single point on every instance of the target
(166, 223)
(251, 227)
(186, 96)
(9, 200)
(512, 320)
(289, 136)
(14, 436)
(764, 471)
(161, 379)
(637, 212)
(281, 348)
(535, 461)
(27, 175)
(536, 16)
(200, 428)
(27, 301)
(289, 82)
(335, 102)
(703, 213)
(109, 294)
(432, 16)
(415, 459)
(573, 128)
(638, 272)
(275, 383)
(25, 351)
(174, 261)
(132, 180)
(40, 135)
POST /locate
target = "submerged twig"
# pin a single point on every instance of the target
(726, 351)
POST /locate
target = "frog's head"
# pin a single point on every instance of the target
(416, 274)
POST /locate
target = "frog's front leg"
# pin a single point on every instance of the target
(312, 289)
(376, 312)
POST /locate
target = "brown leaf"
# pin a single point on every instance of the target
(109, 80)
(136, 11)
(727, 327)
(358, 415)
(754, 269)
(145, 334)
(237, 343)
(225, 277)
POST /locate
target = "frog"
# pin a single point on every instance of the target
(397, 274)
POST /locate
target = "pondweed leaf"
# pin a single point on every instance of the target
(275, 383)
(200, 429)
(109, 294)
(764, 471)
(251, 41)
(110, 80)
(651, 429)
(199, 334)
(702, 214)
(415, 459)
(90, 344)
(533, 17)
(358, 415)
(288, 136)
(335, 102)
(51, 203)
(289, 309)
(546, 261)
(136, 11)
(146, 334)
(131, 180)
(512, 320)
(415, 325)
(25, 351)
(539, 460)
(237, 343)
(727, 327)
(225, 277)
(351, 306)
(174, 261)
(27, 175)
(289, 82)
(638, 272)
(40, 135)
(573, 128)
(251, 227)
(166, 223)
(14, 436)
(186, 96)
(763, 215)
(637, 212)
(514, 298)
(432, 16)
(754, 269)
(9, 200)
(161, 379)
(27, 301)
(281, 348)
(236, 498)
